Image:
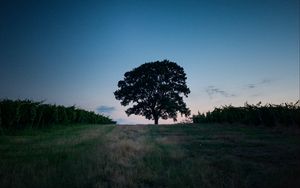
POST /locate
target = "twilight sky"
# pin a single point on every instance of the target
(74, 52)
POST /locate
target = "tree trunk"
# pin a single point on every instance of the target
(156, 120)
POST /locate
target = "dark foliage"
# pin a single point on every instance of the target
(155, 89)
(268, 115)
(25, 113)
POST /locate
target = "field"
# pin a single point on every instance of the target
(199, 155)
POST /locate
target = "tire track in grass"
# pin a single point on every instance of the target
(125, 147)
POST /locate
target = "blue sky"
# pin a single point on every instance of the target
(75, 52)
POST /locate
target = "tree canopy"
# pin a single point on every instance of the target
(155, 90)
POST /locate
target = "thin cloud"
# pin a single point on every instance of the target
(266, 81)
(121, 121)
(251, 86)
(106, 109)
(260, 83)
(256, 95)
(212, 91)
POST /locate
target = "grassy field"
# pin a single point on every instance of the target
(206, 155)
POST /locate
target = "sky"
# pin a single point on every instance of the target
(75, 52)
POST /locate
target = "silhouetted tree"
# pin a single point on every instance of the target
(155, 89)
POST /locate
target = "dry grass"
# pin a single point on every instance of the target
(127, 143)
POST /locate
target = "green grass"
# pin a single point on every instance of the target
(206, 155)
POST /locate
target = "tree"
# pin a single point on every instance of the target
(155, 89)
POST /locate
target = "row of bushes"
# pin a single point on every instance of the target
(19, 114)
(269, 114)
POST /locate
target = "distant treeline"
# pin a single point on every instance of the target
(17, 114)
(268, 115)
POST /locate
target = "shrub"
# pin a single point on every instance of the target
(269, 114)
(17, 114)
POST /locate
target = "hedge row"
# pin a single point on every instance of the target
(19, 114)
(269, 115)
